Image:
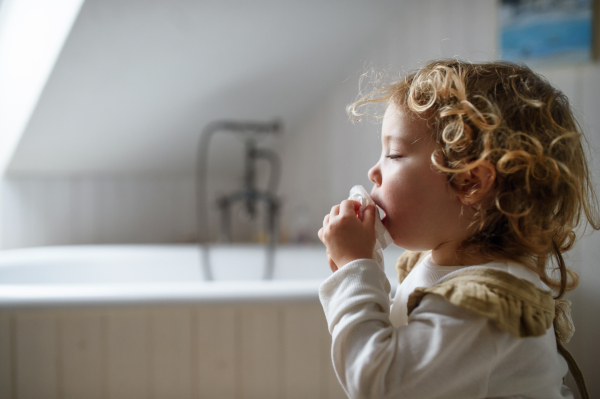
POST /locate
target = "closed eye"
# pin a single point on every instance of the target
(394, 156)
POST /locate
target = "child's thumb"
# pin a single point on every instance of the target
(369, 215)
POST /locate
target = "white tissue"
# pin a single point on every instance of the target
(383, 238)
(358, 193)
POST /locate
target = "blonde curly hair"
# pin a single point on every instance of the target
(513, 118)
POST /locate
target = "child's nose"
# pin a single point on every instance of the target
(375, 174)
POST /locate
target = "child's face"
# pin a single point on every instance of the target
(422, 211)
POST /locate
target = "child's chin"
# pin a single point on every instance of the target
(385, 221)
(386, 224)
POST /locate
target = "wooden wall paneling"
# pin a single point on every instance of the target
(123, 209)
(84, 211)
(31, 195)
(166, 204)
(165, 214)
(37, 352)
(128, 351)
(22, 189)
(6, 359)
(137, 198)
(184, 203)
(83, 351)
(56, 202)
(302, 332)
(97, 210)
(331, 387)
(165, 210)
(108, 205)
(151, 210)
(130, 199)
(218, 348)
(261, 352)
(11, 228)
(171, 344)
(139, 194)
(42, 194)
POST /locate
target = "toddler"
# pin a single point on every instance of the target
(483, 179)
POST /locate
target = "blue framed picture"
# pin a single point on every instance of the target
(546, 31)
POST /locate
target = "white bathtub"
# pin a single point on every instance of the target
(139, 322)
(127, 274)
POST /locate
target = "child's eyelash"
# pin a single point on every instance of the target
(393, 156)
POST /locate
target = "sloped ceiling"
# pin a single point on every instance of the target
(138, 80)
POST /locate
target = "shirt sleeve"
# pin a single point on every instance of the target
(443, 352)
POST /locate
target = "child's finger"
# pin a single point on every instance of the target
(326, 220)
(335, 210)
(369, 215)
(320, 234)
(349, 207)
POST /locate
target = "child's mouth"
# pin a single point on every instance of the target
(382, 214)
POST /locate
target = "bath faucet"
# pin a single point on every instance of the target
(249, 194)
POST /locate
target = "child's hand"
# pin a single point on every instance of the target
(346, 236)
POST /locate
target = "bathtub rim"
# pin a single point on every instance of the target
(15, 296)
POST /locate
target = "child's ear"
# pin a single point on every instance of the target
(474, 185)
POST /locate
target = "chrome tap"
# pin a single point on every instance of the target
(249, 194)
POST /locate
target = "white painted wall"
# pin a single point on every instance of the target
(322, 159)
(141, 79)
(32, 34)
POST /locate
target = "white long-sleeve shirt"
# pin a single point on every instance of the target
(439, 351)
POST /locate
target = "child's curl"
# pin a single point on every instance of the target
(505, 115)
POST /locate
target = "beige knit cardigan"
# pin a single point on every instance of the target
(514, 305)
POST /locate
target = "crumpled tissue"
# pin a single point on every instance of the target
(383, 238)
